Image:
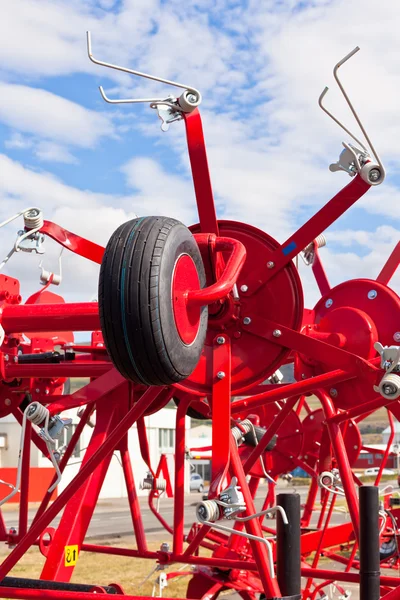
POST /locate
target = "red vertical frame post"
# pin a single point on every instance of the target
(200, 172)
(133, 499)
(179, 504)
(221, 412)
(79, 510)
(340, 452)
(24, 497)
(253, 526)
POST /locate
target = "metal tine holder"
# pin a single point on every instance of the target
(169, 108)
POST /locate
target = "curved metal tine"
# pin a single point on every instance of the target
(322, 96)
(138, 73)
(335, 74)
(125, 100)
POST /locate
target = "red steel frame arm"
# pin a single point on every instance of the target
(90, 393)
(94, 461)
(65, 458)
(200, 172)
(228, 278)
(133, 499)
(179, 504)
(63, 369)
(390, 266)
(342, 460)
(309, 231)
(221, 414)
(314, 348)
(79, 316)
(253, 526)
(319, 273)
(292, 389)
(74, 243)
(78, 512)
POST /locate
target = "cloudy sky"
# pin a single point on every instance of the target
(260, 67)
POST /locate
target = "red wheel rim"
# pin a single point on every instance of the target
(253, 359)
(187, 319)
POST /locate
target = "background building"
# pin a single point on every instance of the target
(161, 436)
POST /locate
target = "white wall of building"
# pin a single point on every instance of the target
(161, 435)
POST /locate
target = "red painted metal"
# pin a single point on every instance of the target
(81, 316)
(187, 317)
(309, 231)
(228, 278)
(74, 243)
(253, 361)
(257, 323)
(200, 172)
(390, 266)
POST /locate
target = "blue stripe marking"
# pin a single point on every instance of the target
(289, 248)
(124, 327)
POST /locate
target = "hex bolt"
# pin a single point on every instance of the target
(15, 359)
(277, 333)
(243, 288)
(7, 401)
(164, 547)
(6, 357)
(220, 340)
(37, 390)
(193, 98)
(374, 175)
(372, 294)
(220, 374)
(328, 303)
(246, 321)
(333, 392)
(311, 417)
(396, 336)
(270, 264)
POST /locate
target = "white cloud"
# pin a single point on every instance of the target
(18, 142)
(37, 111)
(158, 192)
(50, 152)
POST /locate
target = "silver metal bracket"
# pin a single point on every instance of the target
(390, 357)
(30, 243)
(168, 112)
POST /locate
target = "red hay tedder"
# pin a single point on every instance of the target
(206, 316)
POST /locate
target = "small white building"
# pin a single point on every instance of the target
(386, 433)
(161, 436)
(200, 437)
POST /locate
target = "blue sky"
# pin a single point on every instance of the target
(260, 67)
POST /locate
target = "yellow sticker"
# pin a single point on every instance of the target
(70, 555)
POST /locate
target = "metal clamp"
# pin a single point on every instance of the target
(169, 108)
(389, 386)
(329, 480)
(354, 159)
(47, 277)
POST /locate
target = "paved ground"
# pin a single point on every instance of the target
(112, 518)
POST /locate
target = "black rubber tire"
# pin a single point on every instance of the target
(388, 549)
(135, 302)
(192, 412)
(259, 431)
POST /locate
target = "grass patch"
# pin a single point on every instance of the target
(103, 569)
